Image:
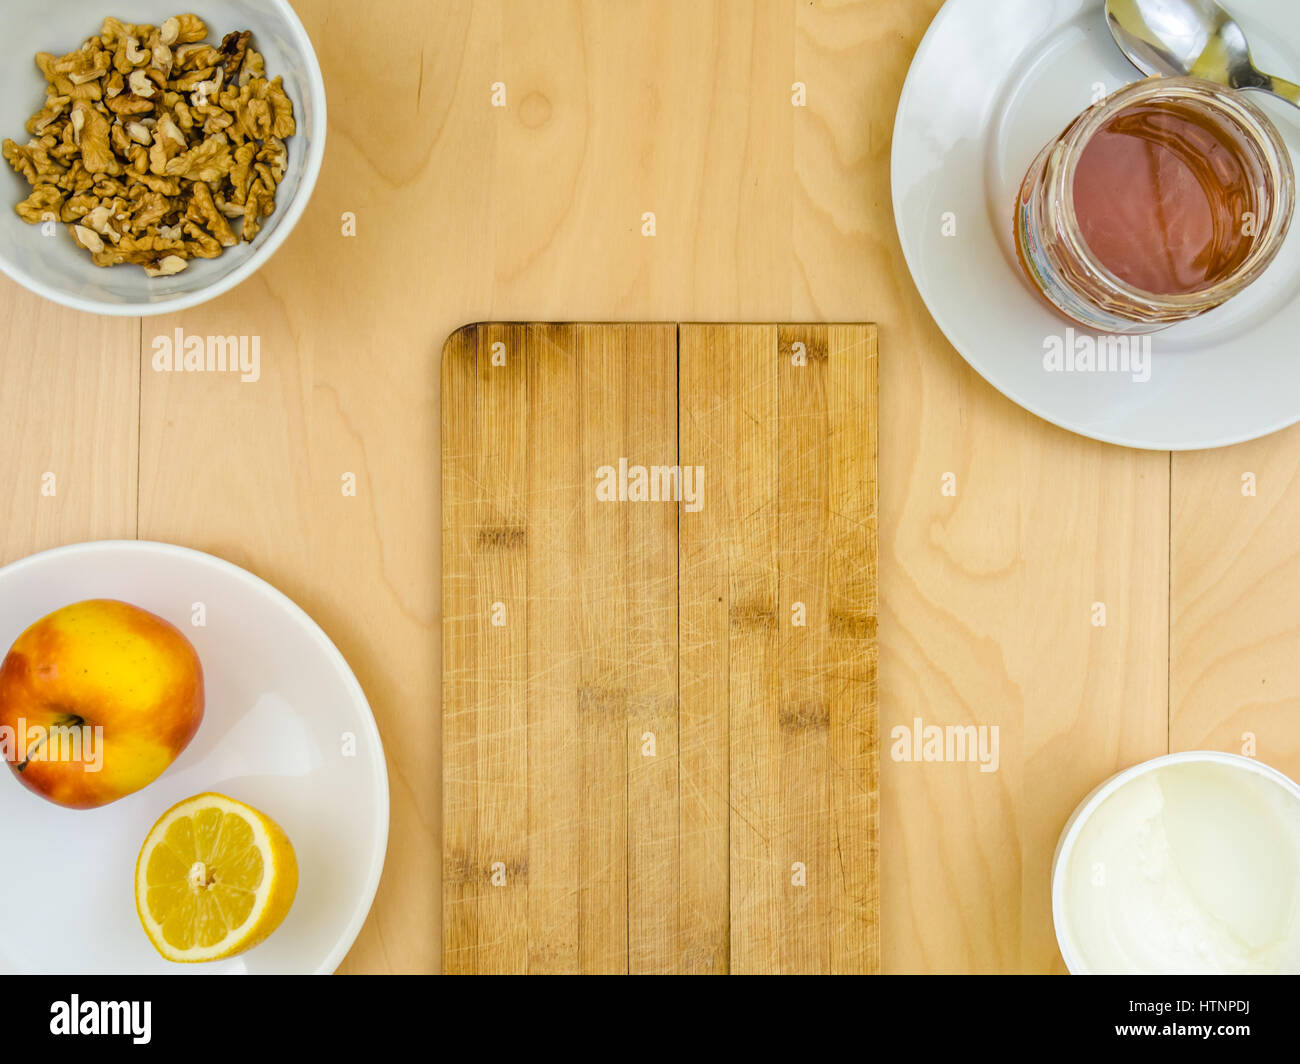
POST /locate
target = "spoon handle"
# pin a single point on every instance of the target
(1288, 90)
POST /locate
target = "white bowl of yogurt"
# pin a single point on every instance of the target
(1185, 864)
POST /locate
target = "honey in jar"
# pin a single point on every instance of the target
(1156, 205)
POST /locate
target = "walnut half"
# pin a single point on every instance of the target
(155, 147)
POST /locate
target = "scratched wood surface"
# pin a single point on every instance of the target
(779, 599)
(764, 211)
(660, 716)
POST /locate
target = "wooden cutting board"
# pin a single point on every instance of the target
(659, 649)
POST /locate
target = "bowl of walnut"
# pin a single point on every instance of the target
(151, 165)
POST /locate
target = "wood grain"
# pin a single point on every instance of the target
(716, 898)
(602, 869)
(852, 658)
(555, 704)
(650, 590)
(462, 884)
(1235, 574)
(500, 536)
(590, 636)
(784, 420)
(69, 410)
(659, 884)
(765, 211)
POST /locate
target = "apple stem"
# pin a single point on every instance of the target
(65, 720)
(30, 754)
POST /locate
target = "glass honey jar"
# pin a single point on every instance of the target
(1157, 204)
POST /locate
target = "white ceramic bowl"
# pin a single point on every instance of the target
(1071, 950)
(53, 266)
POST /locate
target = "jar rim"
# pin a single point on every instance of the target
(1258, 130)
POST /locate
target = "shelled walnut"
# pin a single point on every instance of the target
(152, 143)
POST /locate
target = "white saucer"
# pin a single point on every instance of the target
(991, 84)
(280, 702)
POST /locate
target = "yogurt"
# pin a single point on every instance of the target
(1186, 864)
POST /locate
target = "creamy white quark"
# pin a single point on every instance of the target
(1193, 867)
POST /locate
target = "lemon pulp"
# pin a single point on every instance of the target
(215, 878)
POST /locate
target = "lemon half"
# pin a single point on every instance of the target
(214, 878)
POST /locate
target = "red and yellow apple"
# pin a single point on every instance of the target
(99, 665)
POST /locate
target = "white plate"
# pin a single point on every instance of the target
(280, 701)
(992, 83)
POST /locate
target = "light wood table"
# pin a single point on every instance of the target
(763, 211)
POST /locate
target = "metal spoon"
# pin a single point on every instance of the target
(1195, 37)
